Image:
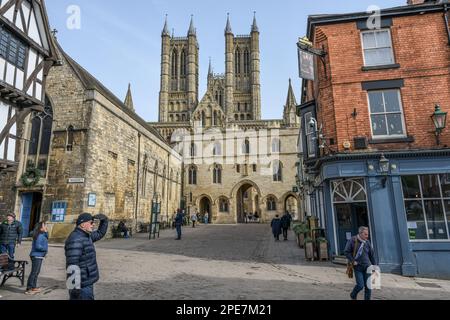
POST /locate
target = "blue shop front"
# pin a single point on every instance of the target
(403, 197)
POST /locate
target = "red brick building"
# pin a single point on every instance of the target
(370, 149)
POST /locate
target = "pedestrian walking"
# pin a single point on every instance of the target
(206, 217)
(276, 227)
(178, 223)
(39, 250)
(10, 235)
(360, 255)
(194, 219)
(81, 255)
(285, 225)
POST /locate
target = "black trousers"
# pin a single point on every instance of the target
(285, 233)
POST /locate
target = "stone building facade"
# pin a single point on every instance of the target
(234, 162)
(103, 157)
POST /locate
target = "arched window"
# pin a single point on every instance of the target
(220, 98)
(242, 117)
(223, 205)
(215, 120)
(277, 170)
(238, 61)
(236, 117)
(174, 63)
(193, 150)
(177, 117)
(246, 62)
(41, 132)
(271, 204)
(217, 174)
(276, 145)
(183, 63)
(183, 117)
(239, 107)
(192, 175)
(69, 140)
(217, 150)
(203, 119)
(246, 147)
(171, 118)
(249, 117)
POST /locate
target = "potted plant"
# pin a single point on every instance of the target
(301, 231)
(309, 249)
(322, 248)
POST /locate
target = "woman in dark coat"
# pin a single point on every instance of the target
(276, 227)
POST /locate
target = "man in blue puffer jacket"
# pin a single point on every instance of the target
(81, 259)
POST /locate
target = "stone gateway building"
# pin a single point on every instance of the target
(234, 162)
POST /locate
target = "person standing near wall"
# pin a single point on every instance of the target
(178, 223)
(39, 250)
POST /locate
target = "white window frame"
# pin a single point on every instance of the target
(364, 49)
(394, 136)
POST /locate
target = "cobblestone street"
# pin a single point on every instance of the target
(214, 262)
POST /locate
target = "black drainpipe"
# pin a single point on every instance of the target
(446, 21)
(137, 183)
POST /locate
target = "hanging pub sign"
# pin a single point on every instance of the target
(306, 65)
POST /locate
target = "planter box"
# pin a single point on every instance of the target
(309, 251)
(301, 240)
(323, 251)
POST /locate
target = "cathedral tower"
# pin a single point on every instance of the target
(242, 65)
(179, 75)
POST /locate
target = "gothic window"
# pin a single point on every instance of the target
(223, 205)
(183, 63)
(221, 98)
(175, 63)
(236, 117)
(193, 150)
(238, 168)
(215, 123)
(277, 170)
(217, 174)
(249, 117)
(246, 147)
(276, 145)
(192, 175)
(217, 150)
(41, 132)
(255, 167)
(183, 117)
(242, 117)
(246, 62)
(271, 204)
(238, 61)
(69, 140)
(177, 117)
(203, 119)
(171, 118)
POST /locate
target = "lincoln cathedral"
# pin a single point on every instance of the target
(80, 148)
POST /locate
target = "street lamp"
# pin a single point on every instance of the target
(439, 119)
(384, 169)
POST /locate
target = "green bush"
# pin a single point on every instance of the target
(322, 240)
(301, 228)
(309, 240)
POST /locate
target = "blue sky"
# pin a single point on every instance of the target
(120, 41)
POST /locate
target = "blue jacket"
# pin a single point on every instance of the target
(80, 251)
(276, 227)
(179, 219)
(367, 258)
(39, 248)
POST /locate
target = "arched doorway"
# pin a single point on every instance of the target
(205, 206)
(247, 201)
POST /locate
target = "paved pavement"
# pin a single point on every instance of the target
(224, 262)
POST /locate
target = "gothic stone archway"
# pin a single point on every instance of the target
(245, 194)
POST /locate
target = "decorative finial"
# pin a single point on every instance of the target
(54, 33)
(228, 27)
(165, 31)
(192, 30)
(254, 25)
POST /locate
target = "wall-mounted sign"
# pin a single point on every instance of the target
(76, 180)
(92, 200)
(306, 65)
